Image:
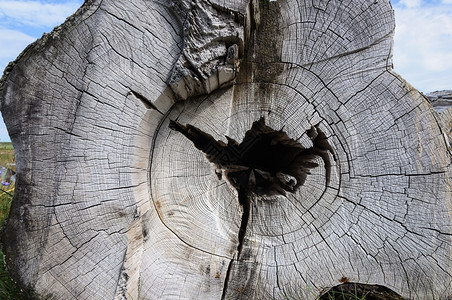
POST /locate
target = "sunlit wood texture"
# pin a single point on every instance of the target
(111, 203)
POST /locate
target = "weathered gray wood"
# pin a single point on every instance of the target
(111, 203)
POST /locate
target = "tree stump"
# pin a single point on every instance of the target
(224, 150)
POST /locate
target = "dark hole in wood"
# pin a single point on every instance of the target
(267, 161)
(351, 290)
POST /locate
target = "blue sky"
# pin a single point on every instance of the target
(422, 48)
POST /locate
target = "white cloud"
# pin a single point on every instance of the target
(411, 3)
(14, 42)
(423, 43)
(4, 137)
(37, 13)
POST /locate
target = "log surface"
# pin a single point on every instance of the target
(112, 203)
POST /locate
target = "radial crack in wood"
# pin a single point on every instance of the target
(266, 162)
(110, 203)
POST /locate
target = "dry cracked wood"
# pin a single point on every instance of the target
(112, 203)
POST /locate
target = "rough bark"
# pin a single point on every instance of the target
(112, 203)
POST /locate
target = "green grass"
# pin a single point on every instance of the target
(7, 156)
(6, 146)
(5, 203)
(8, 290)
(7, 160)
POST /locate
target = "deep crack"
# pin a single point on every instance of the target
(244, 201)
(266, 162)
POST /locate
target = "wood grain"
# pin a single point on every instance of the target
(111, 203)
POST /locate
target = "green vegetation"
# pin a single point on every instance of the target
(8, 289)
(6, 192)
(6, 146)
(7, 156)
(5, 202)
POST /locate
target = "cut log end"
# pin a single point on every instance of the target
(349, 172)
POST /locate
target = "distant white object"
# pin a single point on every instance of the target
(440, 100)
